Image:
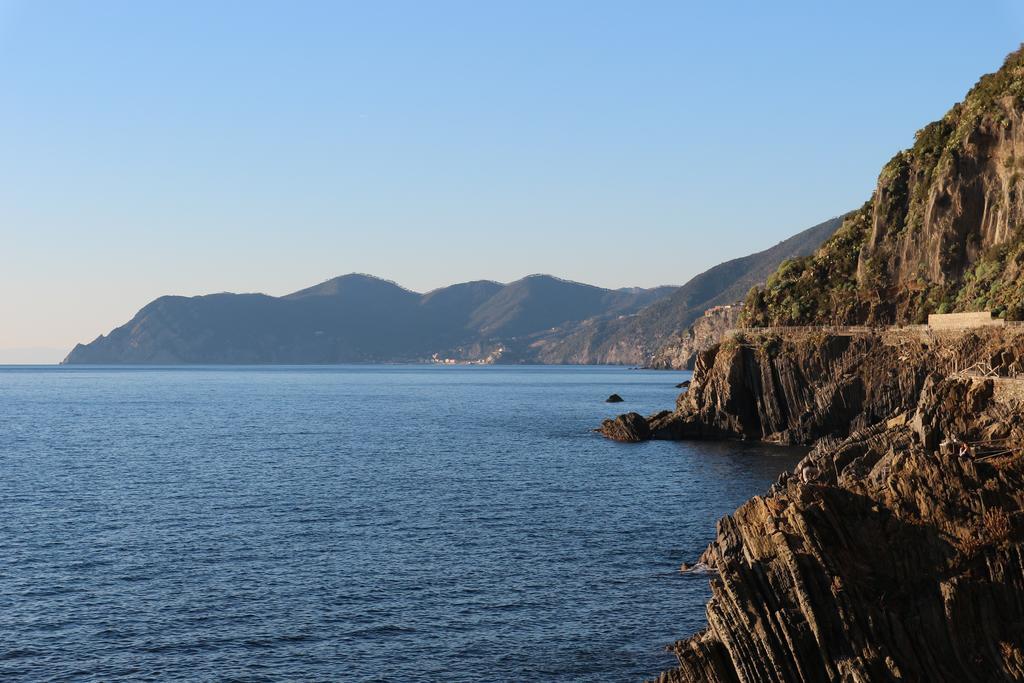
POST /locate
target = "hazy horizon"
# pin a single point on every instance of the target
(177, 148)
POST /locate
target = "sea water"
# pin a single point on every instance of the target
(351, 523)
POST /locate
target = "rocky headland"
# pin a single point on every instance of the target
(887, 556)
(895, 560)
(893, 552)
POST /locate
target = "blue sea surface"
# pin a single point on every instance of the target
(350, 523)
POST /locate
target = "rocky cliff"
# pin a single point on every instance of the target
(706, 331)
(800, 387)
(942, 231)
(888, 556)
(893, 561)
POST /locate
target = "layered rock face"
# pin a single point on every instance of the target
(899, 562)
(681, 352)
(800, 387)
(888, 556)
(941, 232)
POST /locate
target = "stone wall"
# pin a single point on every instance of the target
(959, 321)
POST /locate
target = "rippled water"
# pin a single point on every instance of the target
(350, 523)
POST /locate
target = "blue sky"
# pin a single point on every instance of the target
(190, 147)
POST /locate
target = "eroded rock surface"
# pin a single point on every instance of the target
(681, 352)
(898, 560)
(888, 556)
(630, 427)
(801, 387)
(901, 563)
(942, 231)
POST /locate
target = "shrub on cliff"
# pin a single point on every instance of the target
(942, 231)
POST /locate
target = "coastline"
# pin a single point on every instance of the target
(879, 525)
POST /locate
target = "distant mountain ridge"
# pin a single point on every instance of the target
(359, 318)
(635, 340)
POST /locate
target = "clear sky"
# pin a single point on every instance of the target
(183, 147)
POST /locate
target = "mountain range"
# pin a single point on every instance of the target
(360, 318)
(356, 318)
(636, 340)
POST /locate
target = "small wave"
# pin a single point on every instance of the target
(384, 630)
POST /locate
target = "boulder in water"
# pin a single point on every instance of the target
(630, 427)
(614, 398)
